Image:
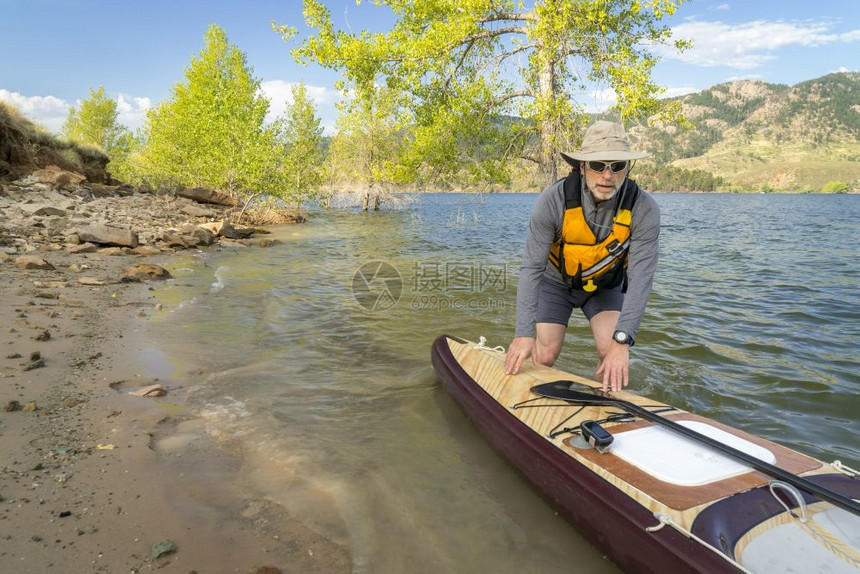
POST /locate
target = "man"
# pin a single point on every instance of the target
(592, 244)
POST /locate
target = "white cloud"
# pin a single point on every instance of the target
(601, 100)
(329, 129)
(679, 91)
(724, 7)
(749, 45)
(743, 77)
(852, 36)
(51, 112)
(47, 111)
(280, 93)
(132, 110)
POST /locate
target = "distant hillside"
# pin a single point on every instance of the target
(756, 135)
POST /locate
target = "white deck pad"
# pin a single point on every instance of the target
(794, 547)
(673, 458)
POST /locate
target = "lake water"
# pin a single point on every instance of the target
(321, 377)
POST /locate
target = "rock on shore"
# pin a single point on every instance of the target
(86, 483)
(52, 209)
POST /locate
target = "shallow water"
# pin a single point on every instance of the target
(312, 357)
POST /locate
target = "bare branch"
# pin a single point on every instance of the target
(498, 60)
(513, 95)
(493, 33)
(574, 51)
(514, 16)
(459, 64)
(523, 48)
(469, 41)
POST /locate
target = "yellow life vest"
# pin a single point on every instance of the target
(584, 262)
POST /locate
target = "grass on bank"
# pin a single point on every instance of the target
(26, 146)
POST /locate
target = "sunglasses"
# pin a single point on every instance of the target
(600, 166)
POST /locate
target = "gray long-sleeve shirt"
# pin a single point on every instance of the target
(545, 229)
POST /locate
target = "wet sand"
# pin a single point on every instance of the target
(95, 479)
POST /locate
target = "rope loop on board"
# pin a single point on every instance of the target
(482, 344)
(798, 498)
(666, 520)
(662, 519)
(844, 469)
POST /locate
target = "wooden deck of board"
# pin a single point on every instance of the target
(682, 504)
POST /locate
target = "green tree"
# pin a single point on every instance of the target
(466, 64)
(368, 149)
(835, 187)
(300, 133)
(211, 131)
(96, 123)
(658, 177)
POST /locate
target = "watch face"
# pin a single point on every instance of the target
(621, 336)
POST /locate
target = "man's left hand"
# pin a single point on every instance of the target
(615, 367)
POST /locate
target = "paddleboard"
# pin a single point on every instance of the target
(652, 499)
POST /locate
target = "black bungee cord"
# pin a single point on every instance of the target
(614, 417)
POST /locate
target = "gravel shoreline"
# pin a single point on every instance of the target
(92, 477)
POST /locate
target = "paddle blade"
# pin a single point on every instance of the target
(571, 391)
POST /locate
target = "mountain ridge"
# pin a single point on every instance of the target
(758, 136)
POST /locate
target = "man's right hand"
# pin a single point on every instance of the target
(520, 349)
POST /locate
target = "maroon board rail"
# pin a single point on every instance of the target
(612, 521)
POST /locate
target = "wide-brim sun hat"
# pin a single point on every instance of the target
(604, 141)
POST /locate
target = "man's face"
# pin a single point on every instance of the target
(604, 184)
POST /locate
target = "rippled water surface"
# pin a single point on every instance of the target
(325, 383)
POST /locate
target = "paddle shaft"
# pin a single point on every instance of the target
(797, 481)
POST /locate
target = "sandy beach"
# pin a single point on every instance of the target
(92, 477)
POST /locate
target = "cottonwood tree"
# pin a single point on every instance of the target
(301, 135)
(96, 123)
(211, 131)
(368, 148)
(467, 64)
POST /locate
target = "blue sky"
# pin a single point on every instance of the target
(54, 51)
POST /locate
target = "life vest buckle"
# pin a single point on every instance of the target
(614, 247)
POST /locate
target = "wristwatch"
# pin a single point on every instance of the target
(622, 337)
